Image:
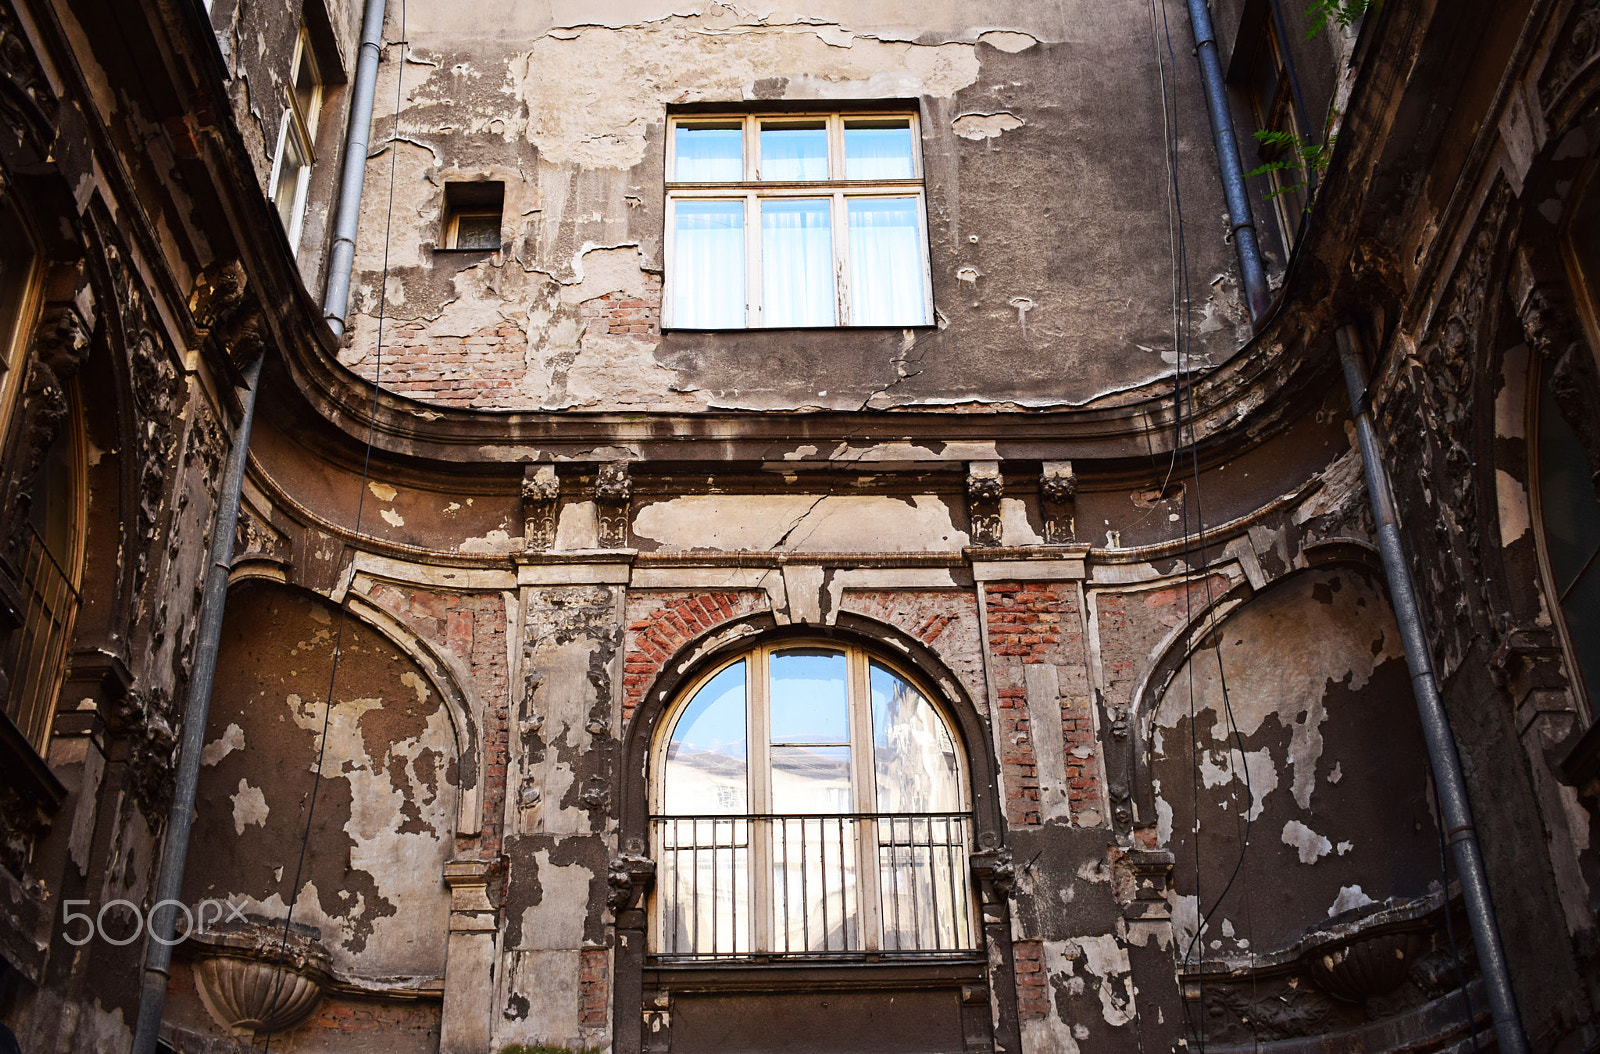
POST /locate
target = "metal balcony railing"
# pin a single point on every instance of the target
(50, 604)
(818, 885)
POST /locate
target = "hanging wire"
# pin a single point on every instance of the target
(1194, 545)
(366, 469)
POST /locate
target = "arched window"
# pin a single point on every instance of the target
(809, 800)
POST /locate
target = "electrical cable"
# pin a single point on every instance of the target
(1194, 545)
(366, 470)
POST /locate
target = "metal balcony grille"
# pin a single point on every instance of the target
(795, 885)
(50, 604)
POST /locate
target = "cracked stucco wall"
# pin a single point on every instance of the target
(1045, 257)
(384, 821)
(1339, 819)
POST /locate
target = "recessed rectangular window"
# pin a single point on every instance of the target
(796, 220)
(472, 215)
(297, 130)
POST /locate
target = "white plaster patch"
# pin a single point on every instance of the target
(978, 126)
(1008, 41)
(1337, 774)
(232, 739)
(1311, 845)
(1258, 766)
(1014, 526)
(496, 541)
(578, 526)
(1511, 498)
(1105, 957)
(394, 518)
(382, 491)
(249, 807)
(416, 684)
(1349, 898)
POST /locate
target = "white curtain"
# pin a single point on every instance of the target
(877, 153)
(708, 264)
(885, 263)
(709, 155)
(796, 263)
(789, 154)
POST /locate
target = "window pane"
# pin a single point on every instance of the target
(709, 154)
(1571, 516)
(810, 779)
(877, 150)
(480, 231)
(922, 882)
(815, 903)
(287, 190)
(708, 264)
(794, 151)
(807, 700)
(913, 754)
(703, 875)
(796, 263)
(885, 262)
(706, 758)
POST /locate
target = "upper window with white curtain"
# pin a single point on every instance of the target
(790, 220)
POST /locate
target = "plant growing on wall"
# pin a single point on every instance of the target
(1343, 12)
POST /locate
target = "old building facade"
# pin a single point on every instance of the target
(803, 534)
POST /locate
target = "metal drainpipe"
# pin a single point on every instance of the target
(1448, 781)
(347, 211)
(1240, 218)
(175, 848)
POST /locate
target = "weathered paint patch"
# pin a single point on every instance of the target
(1349, 898)
(249, 807)
(978, 126)
(588, 98)
(1310, 845)
(232, 739)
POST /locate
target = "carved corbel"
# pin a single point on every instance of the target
(629, 877)
(996, 875)
(984, 491)
(1058, 494)
(1152, 876)
(613, 490)
(217, 292)
(540, 489)
(1552, 331)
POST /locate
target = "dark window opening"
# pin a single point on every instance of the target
(472, 215)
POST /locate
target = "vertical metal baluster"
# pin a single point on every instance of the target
(805, 888)
(894, 859)
(783, 827)
(695, 884)
(844, 903)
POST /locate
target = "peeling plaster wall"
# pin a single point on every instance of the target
(1339, 819)
(568, 110)
(386, 806)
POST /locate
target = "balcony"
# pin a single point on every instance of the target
(794, 886)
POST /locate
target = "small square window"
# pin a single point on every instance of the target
(472, 214)
(796, 220)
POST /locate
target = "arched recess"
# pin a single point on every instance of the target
(787, 994)
(1318, 700)
(387, 803)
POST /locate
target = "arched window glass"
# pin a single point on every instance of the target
(1570, 516)
(810, 800)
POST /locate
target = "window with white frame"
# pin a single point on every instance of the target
(291, 164)
(809, 800)
(790, 220)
